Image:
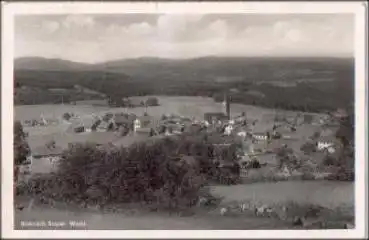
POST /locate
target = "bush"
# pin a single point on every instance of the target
(67, 116)
(329, 161)
(169, 173)
(308, 148)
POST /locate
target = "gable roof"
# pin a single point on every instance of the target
(327, 139)
(86, 121)
(260, 134)
(124, 119)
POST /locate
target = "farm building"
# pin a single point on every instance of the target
(85, 124)
(126, 120)
(213, 117)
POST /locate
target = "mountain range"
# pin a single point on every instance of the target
(313, 79)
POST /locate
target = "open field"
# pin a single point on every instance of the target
(187, 106)
(329, 194)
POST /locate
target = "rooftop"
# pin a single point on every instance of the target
(124, 119)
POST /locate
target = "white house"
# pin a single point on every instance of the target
(136, 124)
(326, 143)
(228, 129)
(141, 122)
(242, 134)
(260, 136)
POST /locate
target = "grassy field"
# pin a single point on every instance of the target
(327, 194)
(111, 221)
(133, 217)
(187, 106)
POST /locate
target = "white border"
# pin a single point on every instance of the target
(11, 9)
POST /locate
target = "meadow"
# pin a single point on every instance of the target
(182, 105)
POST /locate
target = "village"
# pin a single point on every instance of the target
(261, 139)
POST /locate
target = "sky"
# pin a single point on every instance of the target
(99, 38)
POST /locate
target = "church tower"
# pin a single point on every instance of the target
(227, 105)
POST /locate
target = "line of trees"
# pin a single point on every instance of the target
(169, 173)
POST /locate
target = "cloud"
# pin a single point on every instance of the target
(218, 29)
(183, 36)
(80, 21)
(173, 27)
(50, 26)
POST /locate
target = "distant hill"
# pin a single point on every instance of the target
(39, 63)
(302, 82)
(229, 69)
(204, 68)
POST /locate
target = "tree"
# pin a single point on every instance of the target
(21, 148)
(163, 117)
(308, 147)
(346, 130)
(67, 116)
(284, 156)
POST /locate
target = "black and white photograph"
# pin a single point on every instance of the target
(163, 119)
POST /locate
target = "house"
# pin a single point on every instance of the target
(144, 121)
(173, 128)
(327, 143)
(44, 159)
(228, 129)
(148, 132)
(213, 117)
(126, 120)
(260, 136)
(103, 126)
(85, 124)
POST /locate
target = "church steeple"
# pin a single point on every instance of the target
(227, 105)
